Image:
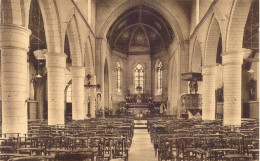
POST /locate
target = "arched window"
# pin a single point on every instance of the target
(139, 78)
(159, 77)
(118, 75)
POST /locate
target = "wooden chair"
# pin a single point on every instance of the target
(119, 149)
(73, 157)
(218, 154)
(237, 157)
(166, 148)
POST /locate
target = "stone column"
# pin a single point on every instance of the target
(14, 43)
(78, 109)
(208, 93)
(56, 64)
(232, 62)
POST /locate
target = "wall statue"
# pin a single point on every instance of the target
(252, 89)
(32, 89)
(220, 97)
(99, 101)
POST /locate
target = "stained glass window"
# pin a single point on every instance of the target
(139, 78)
(159, 77)
(118, 82)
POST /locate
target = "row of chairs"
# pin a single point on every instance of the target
(94, 139)
(179, 139)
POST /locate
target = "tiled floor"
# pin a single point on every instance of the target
(142, 148)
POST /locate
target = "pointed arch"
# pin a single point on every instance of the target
(89, 57)
(236, 25)
(75, 42)
(15, 12)
(54, 35)
(196, 59)
(212, 39)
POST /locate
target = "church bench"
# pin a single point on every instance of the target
(78, 135)
(218, 154)
(210, 135)
(31, 151)
(32, 158)
(7, 156)
(237, 157)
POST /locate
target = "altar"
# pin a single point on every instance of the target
(139, 103)
(138, 108)
(135, 111)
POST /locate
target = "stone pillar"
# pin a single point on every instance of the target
(56, 64)
(78, 109)
(14, 43)
(208, 93)
(232, 62)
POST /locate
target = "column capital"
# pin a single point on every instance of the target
(77, 71)
(55, 59)
(233, 57)
(14, 36)
(209, 70)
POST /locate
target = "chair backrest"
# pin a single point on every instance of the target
(71, 157)
(30, 158)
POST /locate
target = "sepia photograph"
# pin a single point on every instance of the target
(129, 80)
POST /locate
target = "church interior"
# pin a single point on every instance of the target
(129, 80)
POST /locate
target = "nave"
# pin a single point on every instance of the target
(79, 77)
(142, 148)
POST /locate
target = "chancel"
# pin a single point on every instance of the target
(129, 80)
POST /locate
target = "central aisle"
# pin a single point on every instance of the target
(142, 148)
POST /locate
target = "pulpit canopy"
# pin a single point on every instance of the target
(191, 76)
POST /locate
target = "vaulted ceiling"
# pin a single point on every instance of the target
(140, 30)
